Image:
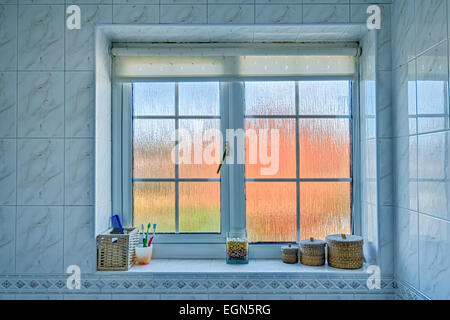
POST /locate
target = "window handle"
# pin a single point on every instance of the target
(226, 152)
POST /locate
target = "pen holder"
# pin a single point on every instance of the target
(144, 255)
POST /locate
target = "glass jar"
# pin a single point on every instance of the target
(237, 248)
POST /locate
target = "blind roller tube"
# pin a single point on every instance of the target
(255, 50)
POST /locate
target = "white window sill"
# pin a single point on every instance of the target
(214, 266)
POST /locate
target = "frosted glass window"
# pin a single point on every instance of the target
(285, 166)
(199, 207)
(324, 97)
(154, 202)
(183, 196)
(313, 180)
(199, 98)
(324, 148)
(271, 211)
(205, 153)
(270, 98)
(152, 148)
(298, 179)
(324, 209)
(153, 99)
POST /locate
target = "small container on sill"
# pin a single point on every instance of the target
(289, 254)
(312, 252)
(345, 251)
(237, 248)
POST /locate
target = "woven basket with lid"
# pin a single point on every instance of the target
(345, 251)
(289, 254)
(312, 252)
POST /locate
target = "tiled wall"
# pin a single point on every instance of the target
(421, 139)
(47, 113)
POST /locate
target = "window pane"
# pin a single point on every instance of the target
(324, 97)
(271, 211)
(153, 99)
(154, 202)
(324, 209)
(324, 148)
(199, 207)
(203, 158)
(270, 98)
(277, 157)
(152, 148)
(199, 98)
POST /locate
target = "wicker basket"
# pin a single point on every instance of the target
(116, 252)
(289, 254)
(345, 251)
(312, 252)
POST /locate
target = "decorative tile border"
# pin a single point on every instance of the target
(193, 284)
(408, 292)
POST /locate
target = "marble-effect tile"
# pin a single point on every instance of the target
(79, 172)
(41, 104)
(8, 167)
(8, 37)
(41, 231)
(40, 172)
(41, 37)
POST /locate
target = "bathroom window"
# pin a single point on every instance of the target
(297, 157)
(203, 146)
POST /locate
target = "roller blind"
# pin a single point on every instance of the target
(229, 62)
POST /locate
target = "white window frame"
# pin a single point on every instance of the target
(185, 245)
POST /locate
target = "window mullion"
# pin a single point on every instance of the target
(297, 154)
(177, 202)
(237, 170)
(224, 173)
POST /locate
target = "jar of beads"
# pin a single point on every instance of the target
(237, 248)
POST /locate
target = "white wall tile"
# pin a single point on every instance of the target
(434, 248)
(8, 167)
(40, 230)
(326, 13)
(433, 166)
(407, 247)
(41, 104)
(7, 239)
(230, 14)
(8, 37)
(431, 23)
(405, 163)
(432, 89)
(79, 243)
(136, 14)
(79, 172)
(8, 104)
(278, 13)
(403, 32)
(182, 14)
(40, 172)
(79, 104)
(41, 37)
